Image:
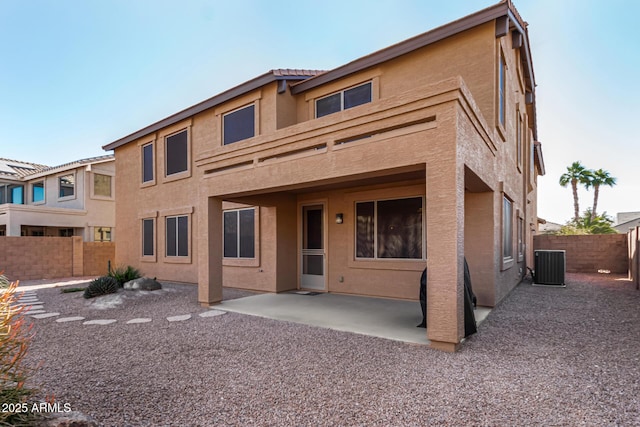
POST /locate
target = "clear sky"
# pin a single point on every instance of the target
(76, 74)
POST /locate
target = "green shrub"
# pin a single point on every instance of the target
(125, 274)
(101, 286)
(15, 337)
(4, 282)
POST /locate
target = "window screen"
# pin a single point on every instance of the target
(239, 125)
(177, 153)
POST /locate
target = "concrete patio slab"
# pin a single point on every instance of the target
(379, 317)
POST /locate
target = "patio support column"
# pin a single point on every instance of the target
(210, 253)
(445, 252)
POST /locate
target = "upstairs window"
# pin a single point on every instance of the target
(238, 125)
(37, 192)
(11, 194)
(101, 185)
(67, 186)
(176, 153)
(343, 100)
(147, 163)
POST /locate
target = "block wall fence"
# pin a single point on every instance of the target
(32, 258)
(589, 253)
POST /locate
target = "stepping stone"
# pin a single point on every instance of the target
(100, 322)
(139, 320)
(212, 313)
(32, 312)
(45, 315)
(27, 299)
(179, 318)
(69, 319)
(35, 307)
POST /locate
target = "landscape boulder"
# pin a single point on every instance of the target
(143, 284)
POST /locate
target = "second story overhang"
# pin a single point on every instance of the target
(391, 118)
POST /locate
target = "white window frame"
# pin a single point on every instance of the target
(93, 186)
(177, 240)
(44, 192)
(75, 186)
(239, 232)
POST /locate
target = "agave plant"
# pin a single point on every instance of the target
(101, 286)
(124, 274)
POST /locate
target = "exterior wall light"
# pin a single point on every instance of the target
(339, 218)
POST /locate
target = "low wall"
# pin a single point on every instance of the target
(32, 258)
(589, 253)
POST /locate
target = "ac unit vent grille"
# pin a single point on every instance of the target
(550, 267)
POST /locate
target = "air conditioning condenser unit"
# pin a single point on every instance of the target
(550, 267)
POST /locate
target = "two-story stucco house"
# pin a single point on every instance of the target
(74, 199)
(351, 180)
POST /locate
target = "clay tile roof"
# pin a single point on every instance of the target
(81, 162)
(288, 72)
(18, 169)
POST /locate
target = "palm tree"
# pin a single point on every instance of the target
(576, 173)
(598, 178)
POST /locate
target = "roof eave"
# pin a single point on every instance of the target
(227, 95)
(404, 47)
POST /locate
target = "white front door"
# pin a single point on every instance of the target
(313, 255)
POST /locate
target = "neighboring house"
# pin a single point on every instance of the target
(626, 221)
(548, 227)
(74, 199)
(351, 180)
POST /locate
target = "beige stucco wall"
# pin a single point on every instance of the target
(432, 132)
(84, 211)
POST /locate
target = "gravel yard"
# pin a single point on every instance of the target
(544, 356)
